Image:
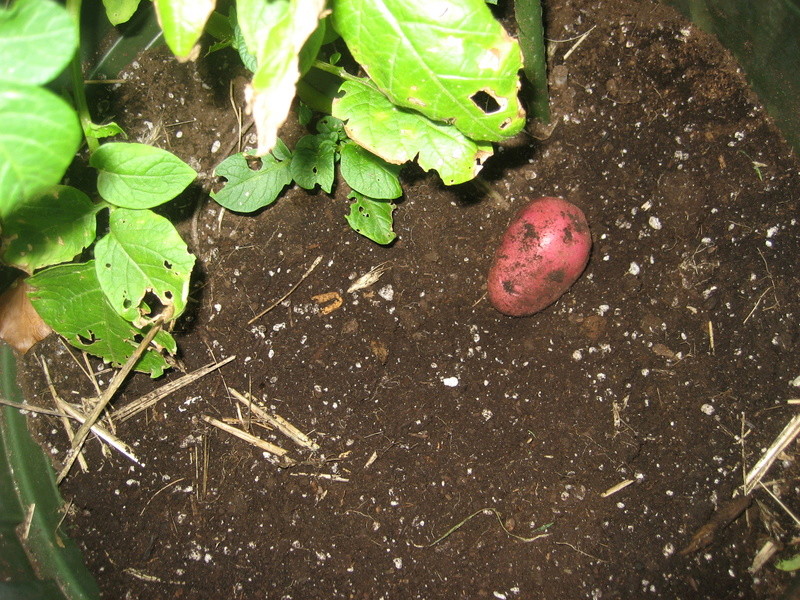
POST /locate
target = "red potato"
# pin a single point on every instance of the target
(542, 253)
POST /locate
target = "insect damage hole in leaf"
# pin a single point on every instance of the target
(486, 102)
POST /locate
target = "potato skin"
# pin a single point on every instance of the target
(543, 252)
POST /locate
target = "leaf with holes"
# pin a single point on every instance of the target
(370, 174)
(49, 229)
(249, 189)
(143, 254)
(138, 175)
(313, 161)
(398, 135)
(69, 299)
(371, 218)
(448, 59)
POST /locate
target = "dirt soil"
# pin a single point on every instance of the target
(463, 453)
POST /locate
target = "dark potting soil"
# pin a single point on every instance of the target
(667, 366)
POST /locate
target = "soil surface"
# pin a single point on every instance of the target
(463, 453)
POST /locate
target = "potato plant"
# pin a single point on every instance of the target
(431, 82)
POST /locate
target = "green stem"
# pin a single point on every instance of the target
(339, 72)
(78, 89)
(531, 40)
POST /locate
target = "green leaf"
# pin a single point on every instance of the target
(143, 252)
(789, 564)
(49, 229)
(370, 174)
(371, 218)
(138, 175)
(120, 11)
(249, 189)
(313, 161)
(39, 135)
(275, 32)
(70, 300)
(106, 130)
(248, 58)
(398, 135)
(449, 59)
(183, 22)
(37, 40)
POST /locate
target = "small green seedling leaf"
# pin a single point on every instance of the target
(398, 135)
(70, 300)
(49, 229)
(371, 218)
(183, 22)
(249, 189)
(370, 174)
(39, 135)
(275, 33)
(37, 40)
(138, 175)
(143, 253)
(789, 564)
(120, 11)
(313, 161)
(450, 60)
(106, 130)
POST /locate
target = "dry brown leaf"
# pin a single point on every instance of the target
(20, 325)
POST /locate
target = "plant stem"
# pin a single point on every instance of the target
(531, 40)
(78, 89)
(339, 72)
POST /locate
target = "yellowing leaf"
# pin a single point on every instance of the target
(20, 325)
(183, 22)
(275, 33)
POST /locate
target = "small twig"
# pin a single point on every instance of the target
(123, 413)
(103, 401)
(786, 509)
(103, 433)
(499, 520)
(279, 452)
(170, 484)
(278, 422)
(789, 433)
(287, 294)
(32, 408)
(64, 418)
(569, 52)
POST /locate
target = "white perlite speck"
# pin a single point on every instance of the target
(450, 381)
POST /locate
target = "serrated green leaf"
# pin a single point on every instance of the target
(275, 32)
(138, 175)
(39, 135)
(182, 22)
(313, 161)
(372, 218)
(37, 40)
(120, 11)
(49, 229)
(70, 300)
(369, 174)
(143, 252)
(449, 59)
(398, 135)
(250, 189)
